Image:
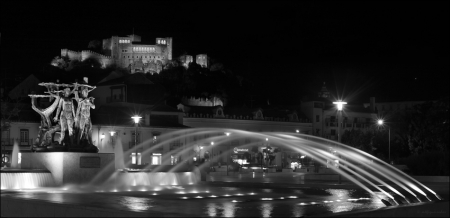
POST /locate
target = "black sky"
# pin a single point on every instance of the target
(390, 50)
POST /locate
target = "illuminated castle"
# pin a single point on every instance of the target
(129, 52)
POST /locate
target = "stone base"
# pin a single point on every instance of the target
(71, 167)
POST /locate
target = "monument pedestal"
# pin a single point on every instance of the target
(71, 167)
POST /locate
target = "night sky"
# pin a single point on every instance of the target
(390, 50)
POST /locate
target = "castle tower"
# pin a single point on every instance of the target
(202, 60)
(169, 48)
(167, 43)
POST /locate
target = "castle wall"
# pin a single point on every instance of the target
(102, 59)
(72, 55)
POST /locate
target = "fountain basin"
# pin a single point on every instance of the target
(70, 167)
(25, 179)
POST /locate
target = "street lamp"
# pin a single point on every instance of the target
(340, 106)
(211, 155)
(380, 122)
(228, 158)
(112, 137)
(102, 137)
(136, 119)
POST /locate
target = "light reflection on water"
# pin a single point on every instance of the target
(212, 209)
(229, 209)
(298, 211)
(341, 200)
(266, 202)
(266, 210)
(136, 204)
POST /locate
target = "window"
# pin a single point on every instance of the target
(333, 119)
(173, 159)
(156, 159)
(5, 137)
(317, 118)
(133, 158)
(175, 144)
(317, 132)
(333, 132)
(133, 138)
(24, 136)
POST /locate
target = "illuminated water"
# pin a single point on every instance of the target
(26, 180)
(175, 189)
(214, 201)
(360, 168)
(15, 156)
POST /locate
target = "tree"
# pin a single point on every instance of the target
(9, 110)
(427, 127)
(359, 139)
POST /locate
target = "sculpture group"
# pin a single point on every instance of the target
(71, 117)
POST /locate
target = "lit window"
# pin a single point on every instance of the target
(133, 158)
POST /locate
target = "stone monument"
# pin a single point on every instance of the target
(70, 117)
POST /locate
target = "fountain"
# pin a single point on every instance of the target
(136, 187)
(16, 178)
(368, 177)
(15, 156)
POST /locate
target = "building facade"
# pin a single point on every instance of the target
(329, 123)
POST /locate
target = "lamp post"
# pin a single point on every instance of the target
(136, 119)
(211, 155)
(102, 137)
(381, 123)
(228, 158)
(340, 106)
(112, 139)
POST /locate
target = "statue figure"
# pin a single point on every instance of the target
(67, 115)
(83, 114)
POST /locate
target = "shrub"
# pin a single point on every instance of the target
(433, 163)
